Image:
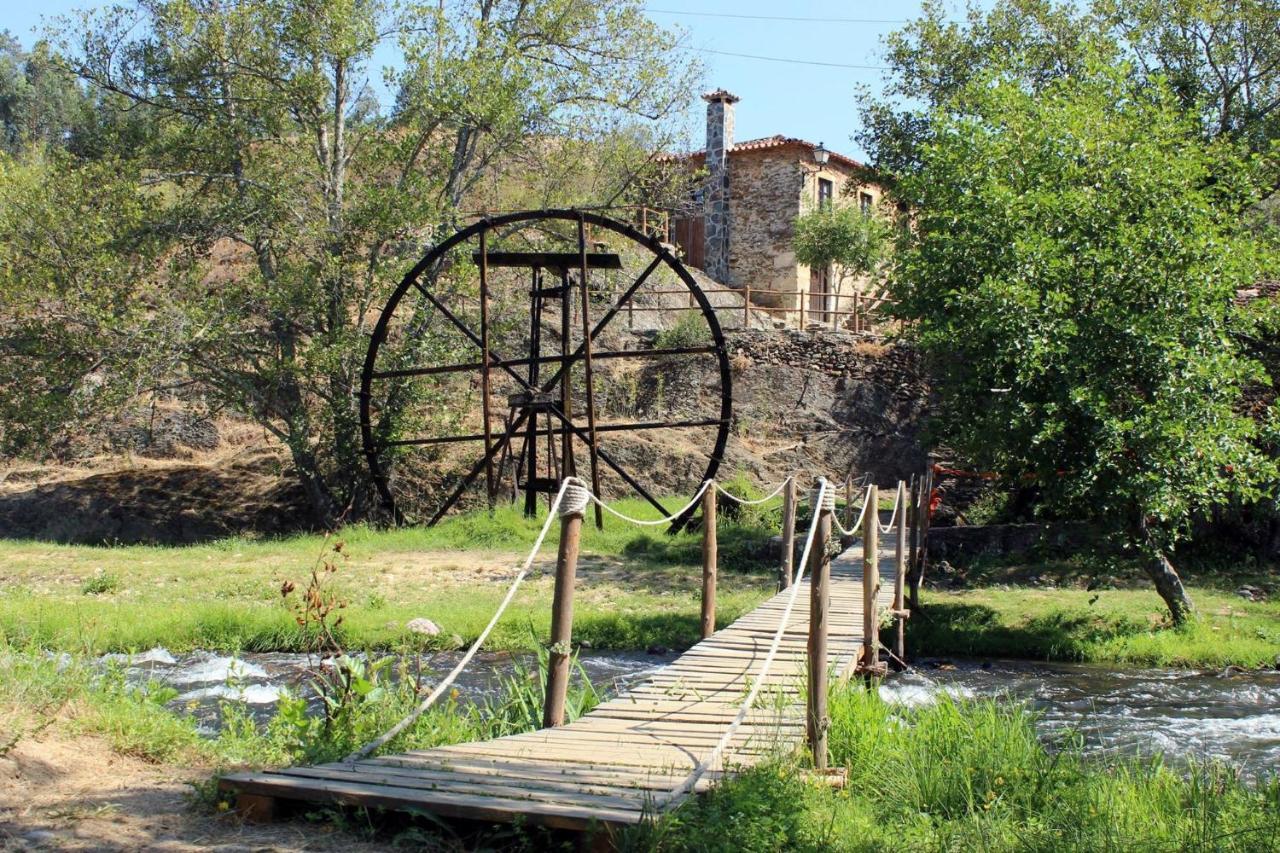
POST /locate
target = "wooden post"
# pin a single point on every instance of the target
(746, 307)
(871, 579)
(899, 575)
(785, 570)
(709, 561)
(562, 620)
(917, 486)
(819, 605)
(922, 552)
(801, 298)
(857, 321)
(848, 503)
(485, 391)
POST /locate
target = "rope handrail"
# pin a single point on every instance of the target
(897, 503)
(756, 502)
(646, 522)
(578, 502)
(697, 773)
(853, 529)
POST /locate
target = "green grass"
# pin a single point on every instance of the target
(968, 776)
(1000, 613)
(638, 587)
(956, 775)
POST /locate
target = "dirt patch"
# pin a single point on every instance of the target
(153, 502)
(60, 793)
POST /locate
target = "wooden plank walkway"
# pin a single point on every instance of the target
(610, 766)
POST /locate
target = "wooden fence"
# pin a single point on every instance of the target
(854, 312)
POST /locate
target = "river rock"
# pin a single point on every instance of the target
(1251, 593)
(423, 626)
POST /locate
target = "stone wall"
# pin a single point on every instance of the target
(764, 200)
(831, 401)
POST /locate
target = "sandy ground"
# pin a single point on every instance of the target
(61, 793)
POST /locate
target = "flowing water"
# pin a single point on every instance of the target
(1183, 714)
(1232, 716)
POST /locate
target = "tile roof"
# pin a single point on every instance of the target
(768, 142)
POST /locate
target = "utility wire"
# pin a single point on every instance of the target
(793, 61)
(778, 17)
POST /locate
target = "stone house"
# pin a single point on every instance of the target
(751, 195)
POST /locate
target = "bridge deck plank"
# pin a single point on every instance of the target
(608, 766)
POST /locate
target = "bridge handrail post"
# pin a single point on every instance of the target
(871, 580)
(561, 648)
(899, 579)
(787, 566)
(709, 562)
(817, 720)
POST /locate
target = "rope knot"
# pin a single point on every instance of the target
(828, 497)
(575, 498)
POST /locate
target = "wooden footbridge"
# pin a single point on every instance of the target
(747, 691)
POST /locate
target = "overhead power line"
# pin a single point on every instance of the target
(793, 61)
(779, 17)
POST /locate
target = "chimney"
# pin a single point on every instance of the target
(716, 207)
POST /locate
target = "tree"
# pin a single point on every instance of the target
(1070, 270)
(268, 155)
(843, 237)
(40, 104)
(1221, 59)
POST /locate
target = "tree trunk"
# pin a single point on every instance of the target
(1169, 585)
(1165, 577)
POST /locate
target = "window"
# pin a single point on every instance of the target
(825, 191)
(865, 203)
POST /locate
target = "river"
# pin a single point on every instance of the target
(1182, 714)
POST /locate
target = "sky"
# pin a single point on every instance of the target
(811, 101)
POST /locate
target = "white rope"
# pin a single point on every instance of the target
(571, 499)
(722, 490)
(853, 530)
(692, 779)
(897, 503)
(645, 522)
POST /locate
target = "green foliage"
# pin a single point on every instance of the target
(844, 237)
(1074, 255)
(959, 775)
(100, 583)
(689, 330)
(240, 243)
(1221, 60)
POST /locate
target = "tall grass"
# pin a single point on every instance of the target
(970, 775)
(90, 698)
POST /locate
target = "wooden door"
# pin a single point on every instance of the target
(819, 296)
(691, 237)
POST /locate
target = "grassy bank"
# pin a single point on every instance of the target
(638, 587)
(969, 776)
(951, 776)
(1096, 610)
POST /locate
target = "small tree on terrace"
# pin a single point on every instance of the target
(1070, 271)
(842, 236)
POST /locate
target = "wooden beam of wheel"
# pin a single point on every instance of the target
(604, 321)
(608, 460)
(631, 427)
(592, 449)
(476, 469)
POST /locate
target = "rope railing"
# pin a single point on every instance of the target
(572, 498)
(569, 505)
(700, 770)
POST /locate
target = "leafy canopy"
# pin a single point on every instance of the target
(1074, 255)
(843, 236)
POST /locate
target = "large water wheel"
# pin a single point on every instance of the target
(515, 338)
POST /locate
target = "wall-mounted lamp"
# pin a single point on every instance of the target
(820, 154)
